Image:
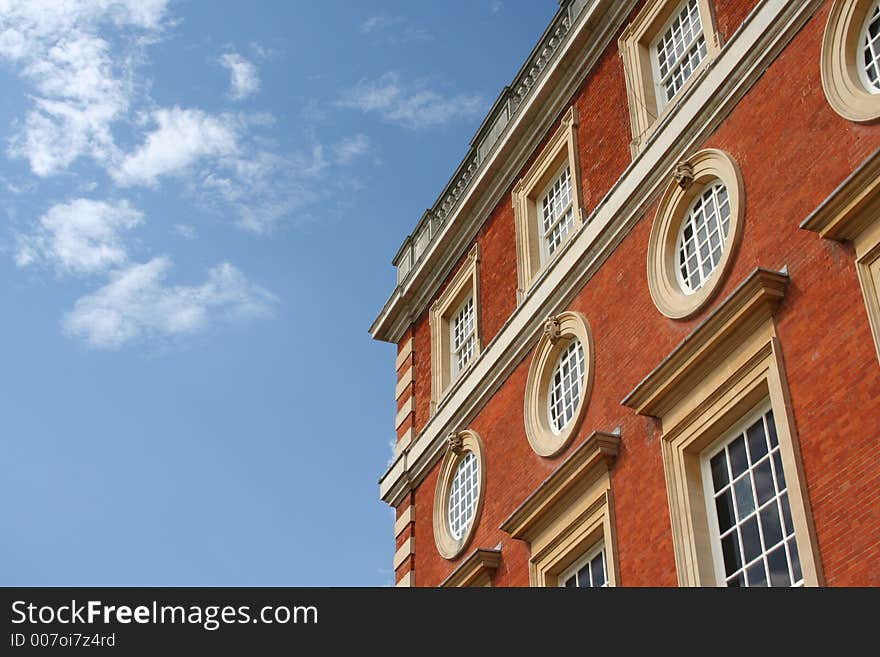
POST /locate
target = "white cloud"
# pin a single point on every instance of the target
(137, 304)
(351, 148)
(409, 106)
(495, 6)
(394, 29)
(80, 87)
(243, 78)
(185, 230)
(182, 138)
(79, 237)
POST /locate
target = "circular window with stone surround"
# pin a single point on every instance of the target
(458, 498)
(850, 60)
(696, 233)
(559, 383)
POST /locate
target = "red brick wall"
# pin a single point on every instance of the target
(793, 151)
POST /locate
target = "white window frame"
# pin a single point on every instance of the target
(546, 255)
(659, 80)
(686, 287)
(580, 563)
(557, 430)
(730, 436)
(470, 460)
(454, 369)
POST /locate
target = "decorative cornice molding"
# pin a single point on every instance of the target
(595, 455)
(753, 301)
(852, 206)
(476, 568)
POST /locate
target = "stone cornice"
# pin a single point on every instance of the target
(479, 565)
(852, 206)
(745, 57)
(753, 301)
(597, 453)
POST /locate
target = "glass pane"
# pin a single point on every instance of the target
(771, 525)
(718, 465)
(597, 566)
(724, 507)
(786, 514)
(584, 576)
(730, 549)
(795, 560)
(756, 574)
(771, 426)
(571, 582)
(751, 539)
(757, 440)
(764, 488)
(778, 565)
(780, 475)
(738, 460)
(745, 502)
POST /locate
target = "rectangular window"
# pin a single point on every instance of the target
(663, 48)
(557, 211)
(463, 337)
(455, 327)
(753, 538)
(588, 572)
(679, 50)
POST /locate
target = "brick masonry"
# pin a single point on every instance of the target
(793, 150)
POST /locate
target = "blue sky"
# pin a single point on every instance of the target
(199, 203)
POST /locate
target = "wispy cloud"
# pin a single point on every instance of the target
(412, 106)
(185, 230)
(137, 304)
(244, 80)
(394, 29)
(351, 148)
(495, 6)
(79, 237)
(80, 87)
(181, 138)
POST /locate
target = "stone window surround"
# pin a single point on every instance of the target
(561, 148)
(465, 283)
(570, 512)
(635, 43)
(689, 179)
(726, 367)
(458, 444)
(844, 89)
(558, 332)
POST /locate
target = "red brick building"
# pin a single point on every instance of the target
(639, 331)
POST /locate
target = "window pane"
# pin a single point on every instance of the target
(724, 508)
(771, 525)
(739, 462)
(778, 566)
(757, 441)
(757, 575)
(751, 539)
(719, 470)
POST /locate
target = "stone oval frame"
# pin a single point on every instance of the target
(457, 446)
(689, 179)
(558, 332)
(844, 89)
